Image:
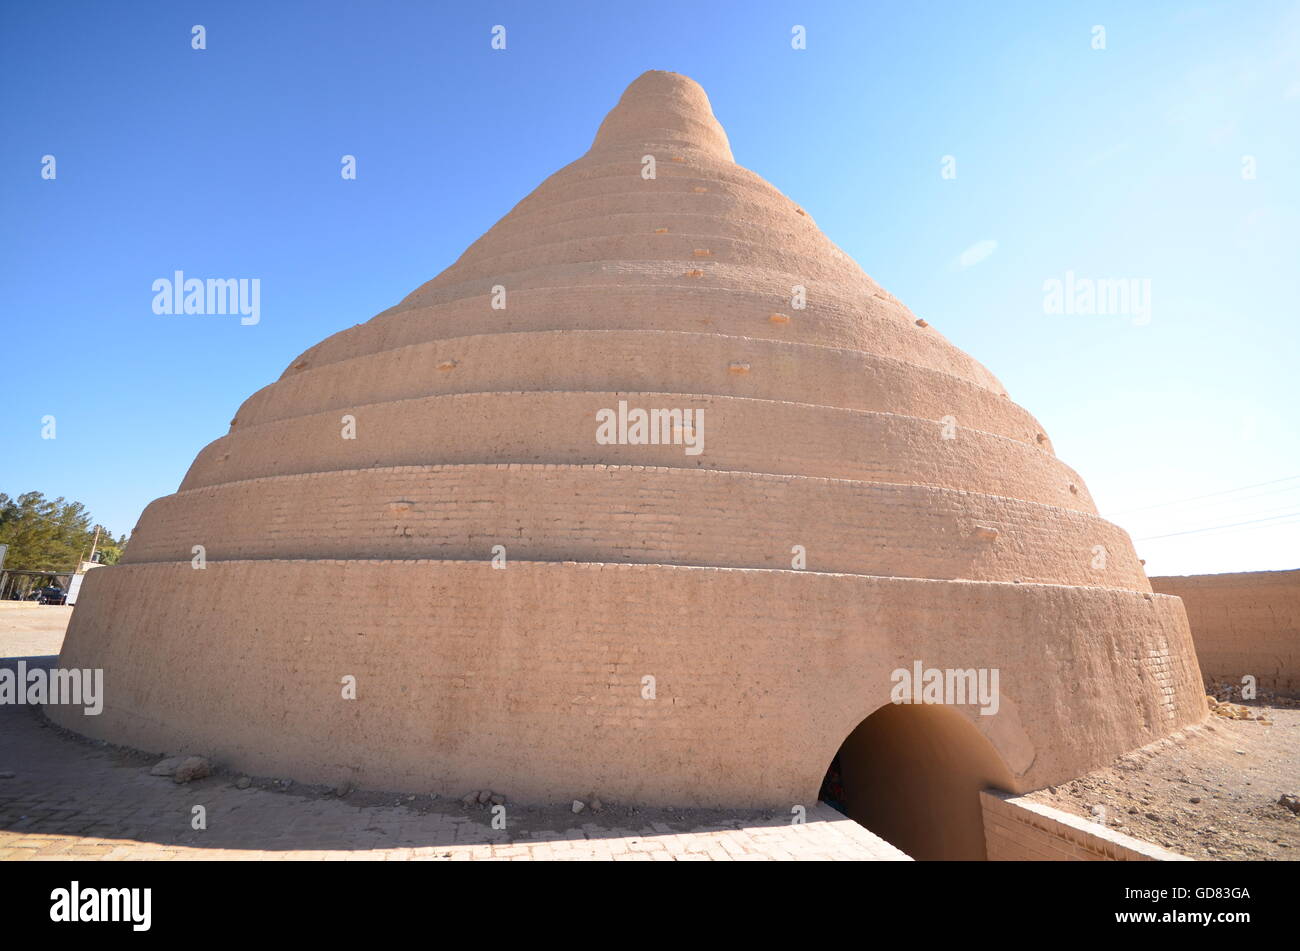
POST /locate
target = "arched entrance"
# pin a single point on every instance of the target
(912, 773)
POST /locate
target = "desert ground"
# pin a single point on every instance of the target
(1208, 792)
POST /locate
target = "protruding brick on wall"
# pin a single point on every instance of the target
(1246, 623)
(1017, 830)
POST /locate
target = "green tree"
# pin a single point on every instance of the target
(109, 551)
(50, 534)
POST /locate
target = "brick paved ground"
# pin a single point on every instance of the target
(70, 799)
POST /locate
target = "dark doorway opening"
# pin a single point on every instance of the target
(912, 774)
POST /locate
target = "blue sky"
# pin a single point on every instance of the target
(1116, 163)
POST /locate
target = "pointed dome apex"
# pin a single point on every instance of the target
(664, 109)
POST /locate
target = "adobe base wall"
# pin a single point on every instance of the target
(529, 680)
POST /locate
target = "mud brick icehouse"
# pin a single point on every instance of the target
(421, 502)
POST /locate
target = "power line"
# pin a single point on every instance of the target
(1211, 528)
(1208, 495)
(1240, 516)
(1221, 507)
(1263, 527)
(1255, 528)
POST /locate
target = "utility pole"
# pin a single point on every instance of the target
(93, 545)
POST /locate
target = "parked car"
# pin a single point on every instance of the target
(53, 594)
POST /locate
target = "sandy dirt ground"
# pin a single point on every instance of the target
(32, 630)
(1209, 792)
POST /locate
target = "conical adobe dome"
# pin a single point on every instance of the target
(825, 491)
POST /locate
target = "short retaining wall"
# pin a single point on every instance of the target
(1017, 829)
